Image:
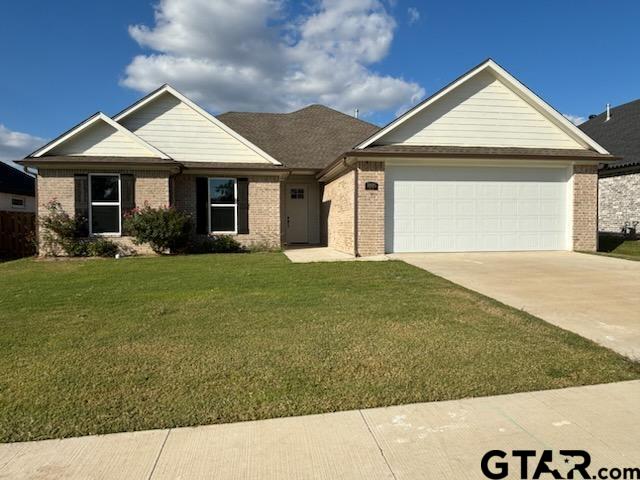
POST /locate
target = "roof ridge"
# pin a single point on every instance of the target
(310, 106)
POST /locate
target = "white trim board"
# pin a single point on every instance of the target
(172, 91)
(511, 82)
(99, 116)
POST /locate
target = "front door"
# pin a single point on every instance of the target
(296, 221)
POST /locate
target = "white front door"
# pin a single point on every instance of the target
(296, 221)
(457, 209)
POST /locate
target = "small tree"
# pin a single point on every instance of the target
(165, 229)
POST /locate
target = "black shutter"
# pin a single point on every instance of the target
(202, 205)
(81, 189)
(243, 205)
(127, 196)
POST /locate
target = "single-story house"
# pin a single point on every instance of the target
(618, 130)
(17, 190)
(483, 164)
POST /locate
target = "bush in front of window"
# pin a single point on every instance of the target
(216, 244)
(102, 247)
(59, 236)
(166, 230)
(58, 232)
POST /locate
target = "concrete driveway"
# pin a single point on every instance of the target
(595, 296)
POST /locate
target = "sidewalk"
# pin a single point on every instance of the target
(440, 440)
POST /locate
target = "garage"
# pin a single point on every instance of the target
(476, 208)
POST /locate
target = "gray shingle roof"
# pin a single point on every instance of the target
(14, 181)
(620, 134)
(516, 152)
(309, 138)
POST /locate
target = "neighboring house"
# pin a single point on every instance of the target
(483, 164)
(17, 190)
(619, 184)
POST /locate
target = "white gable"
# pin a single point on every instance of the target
(98, 135)
(486, 107)
(101, 139)
(482, 112)
(185, 134)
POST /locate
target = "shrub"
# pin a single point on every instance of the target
(162, 228)
(101, 247)
(216, 244)
(60, 233)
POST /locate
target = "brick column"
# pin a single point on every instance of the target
(370, 209)
(585, 207)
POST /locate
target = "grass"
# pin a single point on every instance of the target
(101, 346)
(616, 246)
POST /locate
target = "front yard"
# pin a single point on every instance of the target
(100, 346)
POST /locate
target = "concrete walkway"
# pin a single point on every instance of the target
(304, 254)
(441, 440)
(595, 296)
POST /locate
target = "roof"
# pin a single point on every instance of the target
(505, 77)
(14, 181)
(308, 138)
(98, 160)
(232, 165)
(511, 152)
(620, 134)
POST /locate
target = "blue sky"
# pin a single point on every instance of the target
(62, 61)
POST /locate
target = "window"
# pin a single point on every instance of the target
(297, 193)
(223, 205)
(104, 208)
(17, 203)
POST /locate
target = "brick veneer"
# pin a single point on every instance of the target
(264, 207)
(370, 209)
(338, 209)
(618, 201)
(354, 216)
(585, 207)
(152, 188)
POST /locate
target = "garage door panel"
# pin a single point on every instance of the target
(475, 209)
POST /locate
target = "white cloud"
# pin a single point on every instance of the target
(575, 119)
(254, 55)
(16, 145)
(414, 15)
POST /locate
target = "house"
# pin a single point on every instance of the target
(619, 185)
(17, 190)
(483, 164)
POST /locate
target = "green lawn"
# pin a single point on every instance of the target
(102, 346)
(615, 246)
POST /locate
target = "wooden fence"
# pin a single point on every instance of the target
(17, 231)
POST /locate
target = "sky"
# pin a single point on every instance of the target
(62, 61)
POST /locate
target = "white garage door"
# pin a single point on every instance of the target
(454, 209)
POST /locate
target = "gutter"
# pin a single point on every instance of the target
(336, 167)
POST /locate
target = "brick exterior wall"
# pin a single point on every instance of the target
(152, 188)
(585, 207)
(338, 210)
(264, 208)
(370, 211)
(618, 202)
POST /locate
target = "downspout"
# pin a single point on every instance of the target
(355, 212)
